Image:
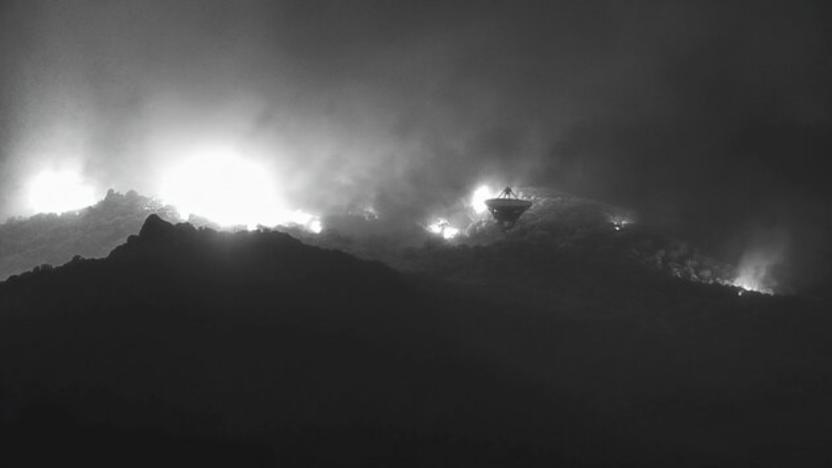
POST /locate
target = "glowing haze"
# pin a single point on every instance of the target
(480, 195)
(58, 191)
(695, 114)
(757, 266)
(219, 184)
(442, 228)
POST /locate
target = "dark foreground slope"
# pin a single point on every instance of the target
(26, 243)
(209, 344)
(190, 346)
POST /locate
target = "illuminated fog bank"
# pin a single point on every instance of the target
(229, 190)
(58, 191)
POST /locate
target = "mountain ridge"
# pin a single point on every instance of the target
(258, 343)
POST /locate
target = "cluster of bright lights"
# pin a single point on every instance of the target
(441, 227)
(58, 191)
(369, 213)
(619, 221)
(230, 190)
(480, 195)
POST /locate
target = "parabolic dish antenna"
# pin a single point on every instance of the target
(507, 208)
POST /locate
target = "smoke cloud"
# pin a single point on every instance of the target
(709, 118)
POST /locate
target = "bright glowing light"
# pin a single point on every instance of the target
(480, 195)
(307, 221)
(441, 227)
(369, 213)
(315, 226)
(620, 221)
(767, 250)
(450, 232)
(230, 190)
(753, 277)
(437, 227)
(58, 192)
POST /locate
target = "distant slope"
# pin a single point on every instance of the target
(91, 232)
(561, 234)
(253, 346)
(558, 222)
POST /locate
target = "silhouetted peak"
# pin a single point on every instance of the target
(155, 227)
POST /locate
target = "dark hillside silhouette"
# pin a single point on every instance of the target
(191, 346)
(91, 232)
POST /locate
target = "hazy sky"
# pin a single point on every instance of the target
(714, 116)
